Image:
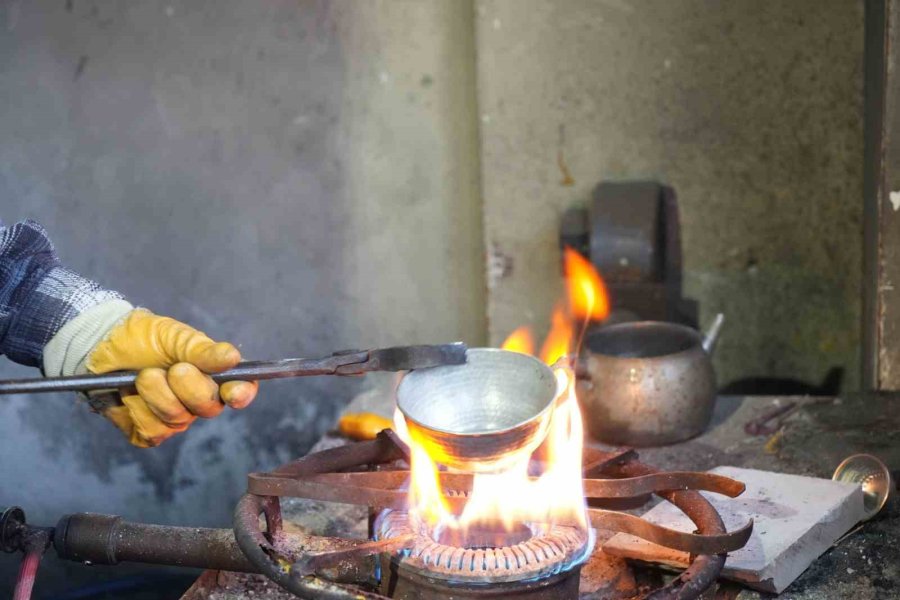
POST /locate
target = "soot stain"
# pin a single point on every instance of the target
(98, 448)
(79, 68)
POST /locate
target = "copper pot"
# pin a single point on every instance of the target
(648, 383)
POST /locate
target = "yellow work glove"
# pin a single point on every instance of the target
(172, 388)
(362, 426)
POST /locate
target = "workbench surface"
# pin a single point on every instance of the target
(811, 441)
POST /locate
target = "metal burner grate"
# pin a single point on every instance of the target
(366, 473)
(412, 567)
(542, 555)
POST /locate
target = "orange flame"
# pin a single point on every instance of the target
(558, 342)
(521, 340)
(588, 298)
(425, 488)
(512, 497)
(509, 498)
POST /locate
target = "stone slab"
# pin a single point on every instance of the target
(796, 519)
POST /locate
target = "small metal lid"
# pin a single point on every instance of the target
(873, 477)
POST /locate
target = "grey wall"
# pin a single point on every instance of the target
(303, 176)
(750, 109)
(298, 177)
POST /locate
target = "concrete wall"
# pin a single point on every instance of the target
(296, 176)
(751, 110)
(303, 176)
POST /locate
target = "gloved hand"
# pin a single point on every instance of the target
(362, 426)
(172, 388)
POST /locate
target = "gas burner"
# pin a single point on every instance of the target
(530, 562)
(417, 566)
(539, 555)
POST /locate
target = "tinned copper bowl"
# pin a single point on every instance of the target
(482, 415)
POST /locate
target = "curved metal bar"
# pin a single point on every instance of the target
(382, 449)
(700, 574)
(260, 551)
(462, 482)
(662, 482)
(265, 557)
(705, 568)
(314, 488)
(670, 538)
(314, 562)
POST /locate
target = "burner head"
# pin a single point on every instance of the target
(401, 584)
(528, 556)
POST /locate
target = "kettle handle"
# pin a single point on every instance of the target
(712, 334)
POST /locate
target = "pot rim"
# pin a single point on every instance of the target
(696, 340)
(521, 425)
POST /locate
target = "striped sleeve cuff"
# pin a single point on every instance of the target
(66, 353)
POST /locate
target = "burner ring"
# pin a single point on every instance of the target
(262, 499)
(549, 553)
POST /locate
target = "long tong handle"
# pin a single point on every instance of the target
(246, 371)
(348, 362)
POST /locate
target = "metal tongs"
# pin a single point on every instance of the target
(348, 362)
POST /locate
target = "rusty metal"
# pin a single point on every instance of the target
(265, 484)
(704, 568)
(354, 362)
(632, 234)
(770, 421)
(288, 559)
(314, 562)
(258, 548)
(670, 538)
(661, 482)
(707, 545)
(382, 449)
(626, 231)
(607, 459)
(12, 527)
(109, 540)
(383, 489)
(16, 535)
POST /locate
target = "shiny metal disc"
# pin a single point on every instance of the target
(872, 475)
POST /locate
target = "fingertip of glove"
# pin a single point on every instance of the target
(180, 370)
(142, 442)
(238, 394)
(220, 357)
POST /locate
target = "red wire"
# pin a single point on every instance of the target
(27, 573)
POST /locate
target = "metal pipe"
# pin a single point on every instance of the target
(109, 540)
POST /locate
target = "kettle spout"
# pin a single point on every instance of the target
(712, 334)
